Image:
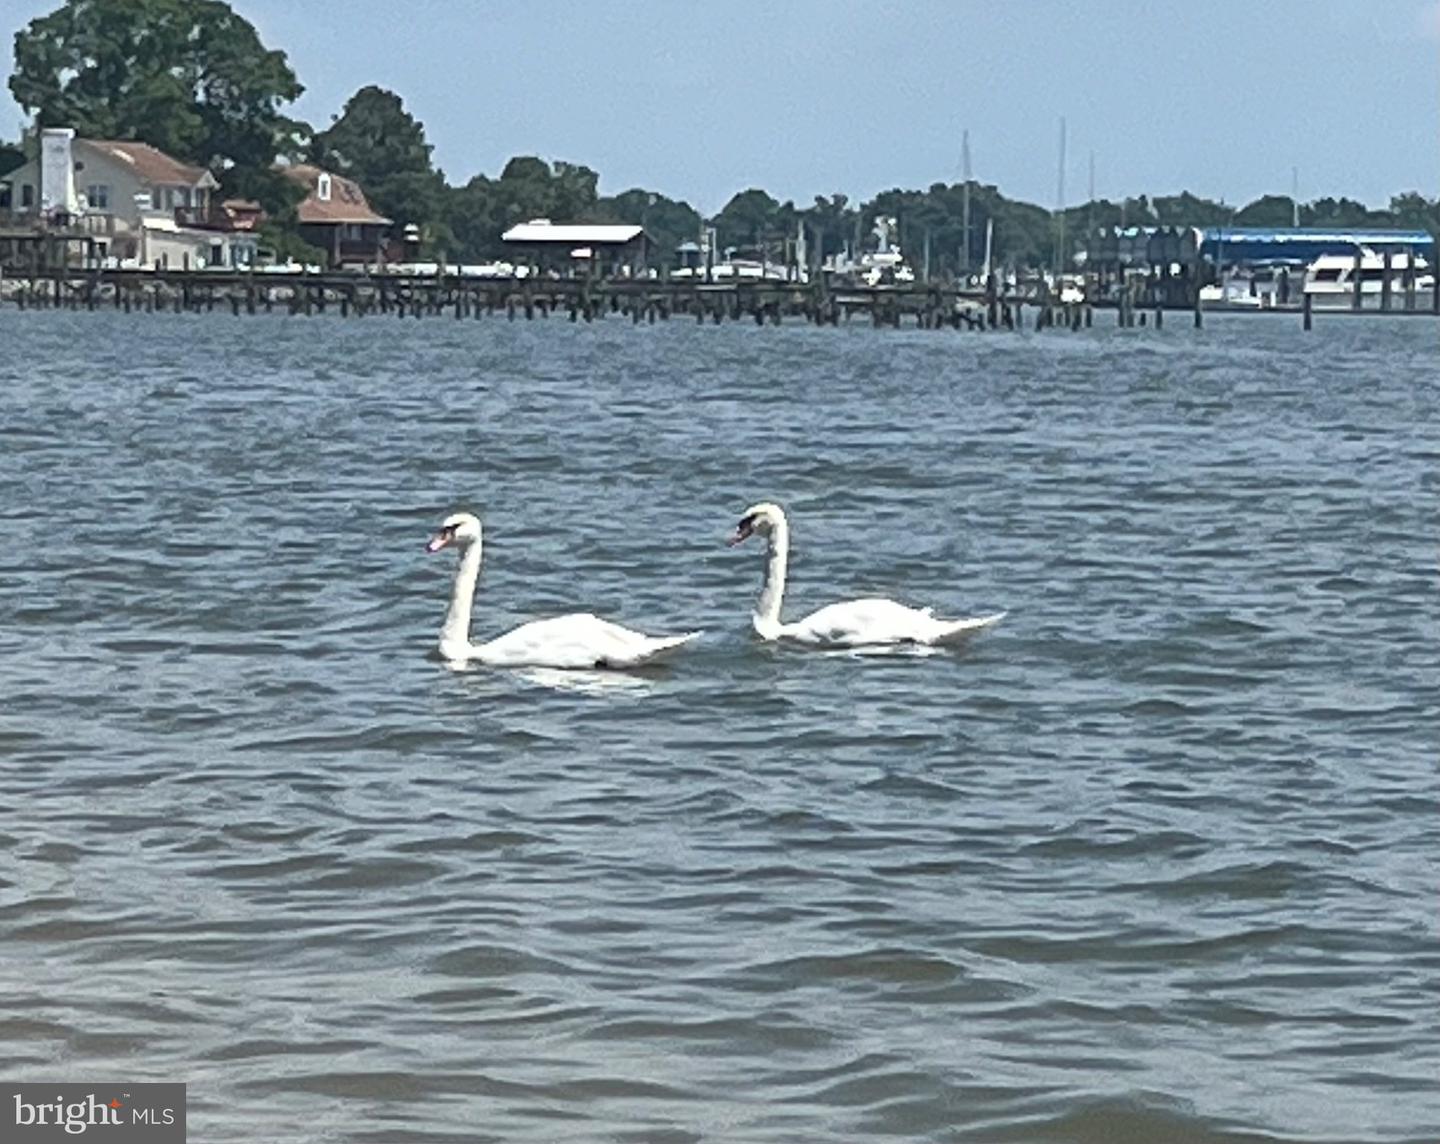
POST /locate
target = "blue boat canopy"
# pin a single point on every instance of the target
(1304, 244)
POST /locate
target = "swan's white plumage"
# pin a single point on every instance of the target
(874, 621)
(576, 641)
(869, 622)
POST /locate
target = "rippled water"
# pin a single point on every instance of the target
(1153, 861)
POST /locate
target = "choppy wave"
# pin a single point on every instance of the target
(1153, 861)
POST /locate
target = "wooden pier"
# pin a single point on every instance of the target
(576, 299)
(929, 306)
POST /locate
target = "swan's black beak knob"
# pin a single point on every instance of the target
(743, 532)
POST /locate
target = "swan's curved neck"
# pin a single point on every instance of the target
(767, 608)
(455, 634)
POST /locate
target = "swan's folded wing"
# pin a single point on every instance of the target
(879, 622)
(620, 646)
(577, 640)
(863, 623)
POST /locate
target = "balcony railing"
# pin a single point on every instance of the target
(97, 225)
(215, 217)
(201, 218)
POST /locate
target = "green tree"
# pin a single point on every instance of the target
(1415, 212)
(484, 208)
(752, 220)
(1341, 213)
(833, 221)
(1101, 213)
(12, 155)
(471, 214)
(1137, 211)
(1186, 209)
(574, 191)
(529, 188)
(380, 145)
(1268, 210)
(666, 221)
(1024, 232)
(188, 76)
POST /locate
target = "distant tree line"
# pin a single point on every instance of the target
(193, 78)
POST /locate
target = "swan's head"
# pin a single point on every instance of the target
(761, 518)
(460, 530)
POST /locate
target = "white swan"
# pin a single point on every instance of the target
(577, 640)
(855, 623)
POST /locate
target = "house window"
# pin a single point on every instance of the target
(98, 196)
(27, 195)
(322, 188)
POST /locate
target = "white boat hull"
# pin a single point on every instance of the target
(1330, 282)
(1372, 297)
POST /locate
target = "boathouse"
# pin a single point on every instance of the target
(581, 248)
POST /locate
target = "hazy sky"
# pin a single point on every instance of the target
(805, 97)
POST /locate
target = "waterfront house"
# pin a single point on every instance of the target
(140, 206)
(336, 217)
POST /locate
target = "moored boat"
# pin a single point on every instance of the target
(1330, 280)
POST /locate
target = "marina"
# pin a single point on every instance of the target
(157, 236)
(586, 272)
(997, 304)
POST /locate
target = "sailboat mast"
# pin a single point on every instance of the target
(1090, 212)
(1060, 204)
(965, 201)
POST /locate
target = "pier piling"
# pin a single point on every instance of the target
(993, 305)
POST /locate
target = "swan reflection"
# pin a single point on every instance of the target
(586, 682)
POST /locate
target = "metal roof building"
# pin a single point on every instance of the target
(543, 232)
(605, 247)
(1233, 244)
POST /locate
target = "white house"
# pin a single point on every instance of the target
(141, 205)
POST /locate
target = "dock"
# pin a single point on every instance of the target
(926, 306)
